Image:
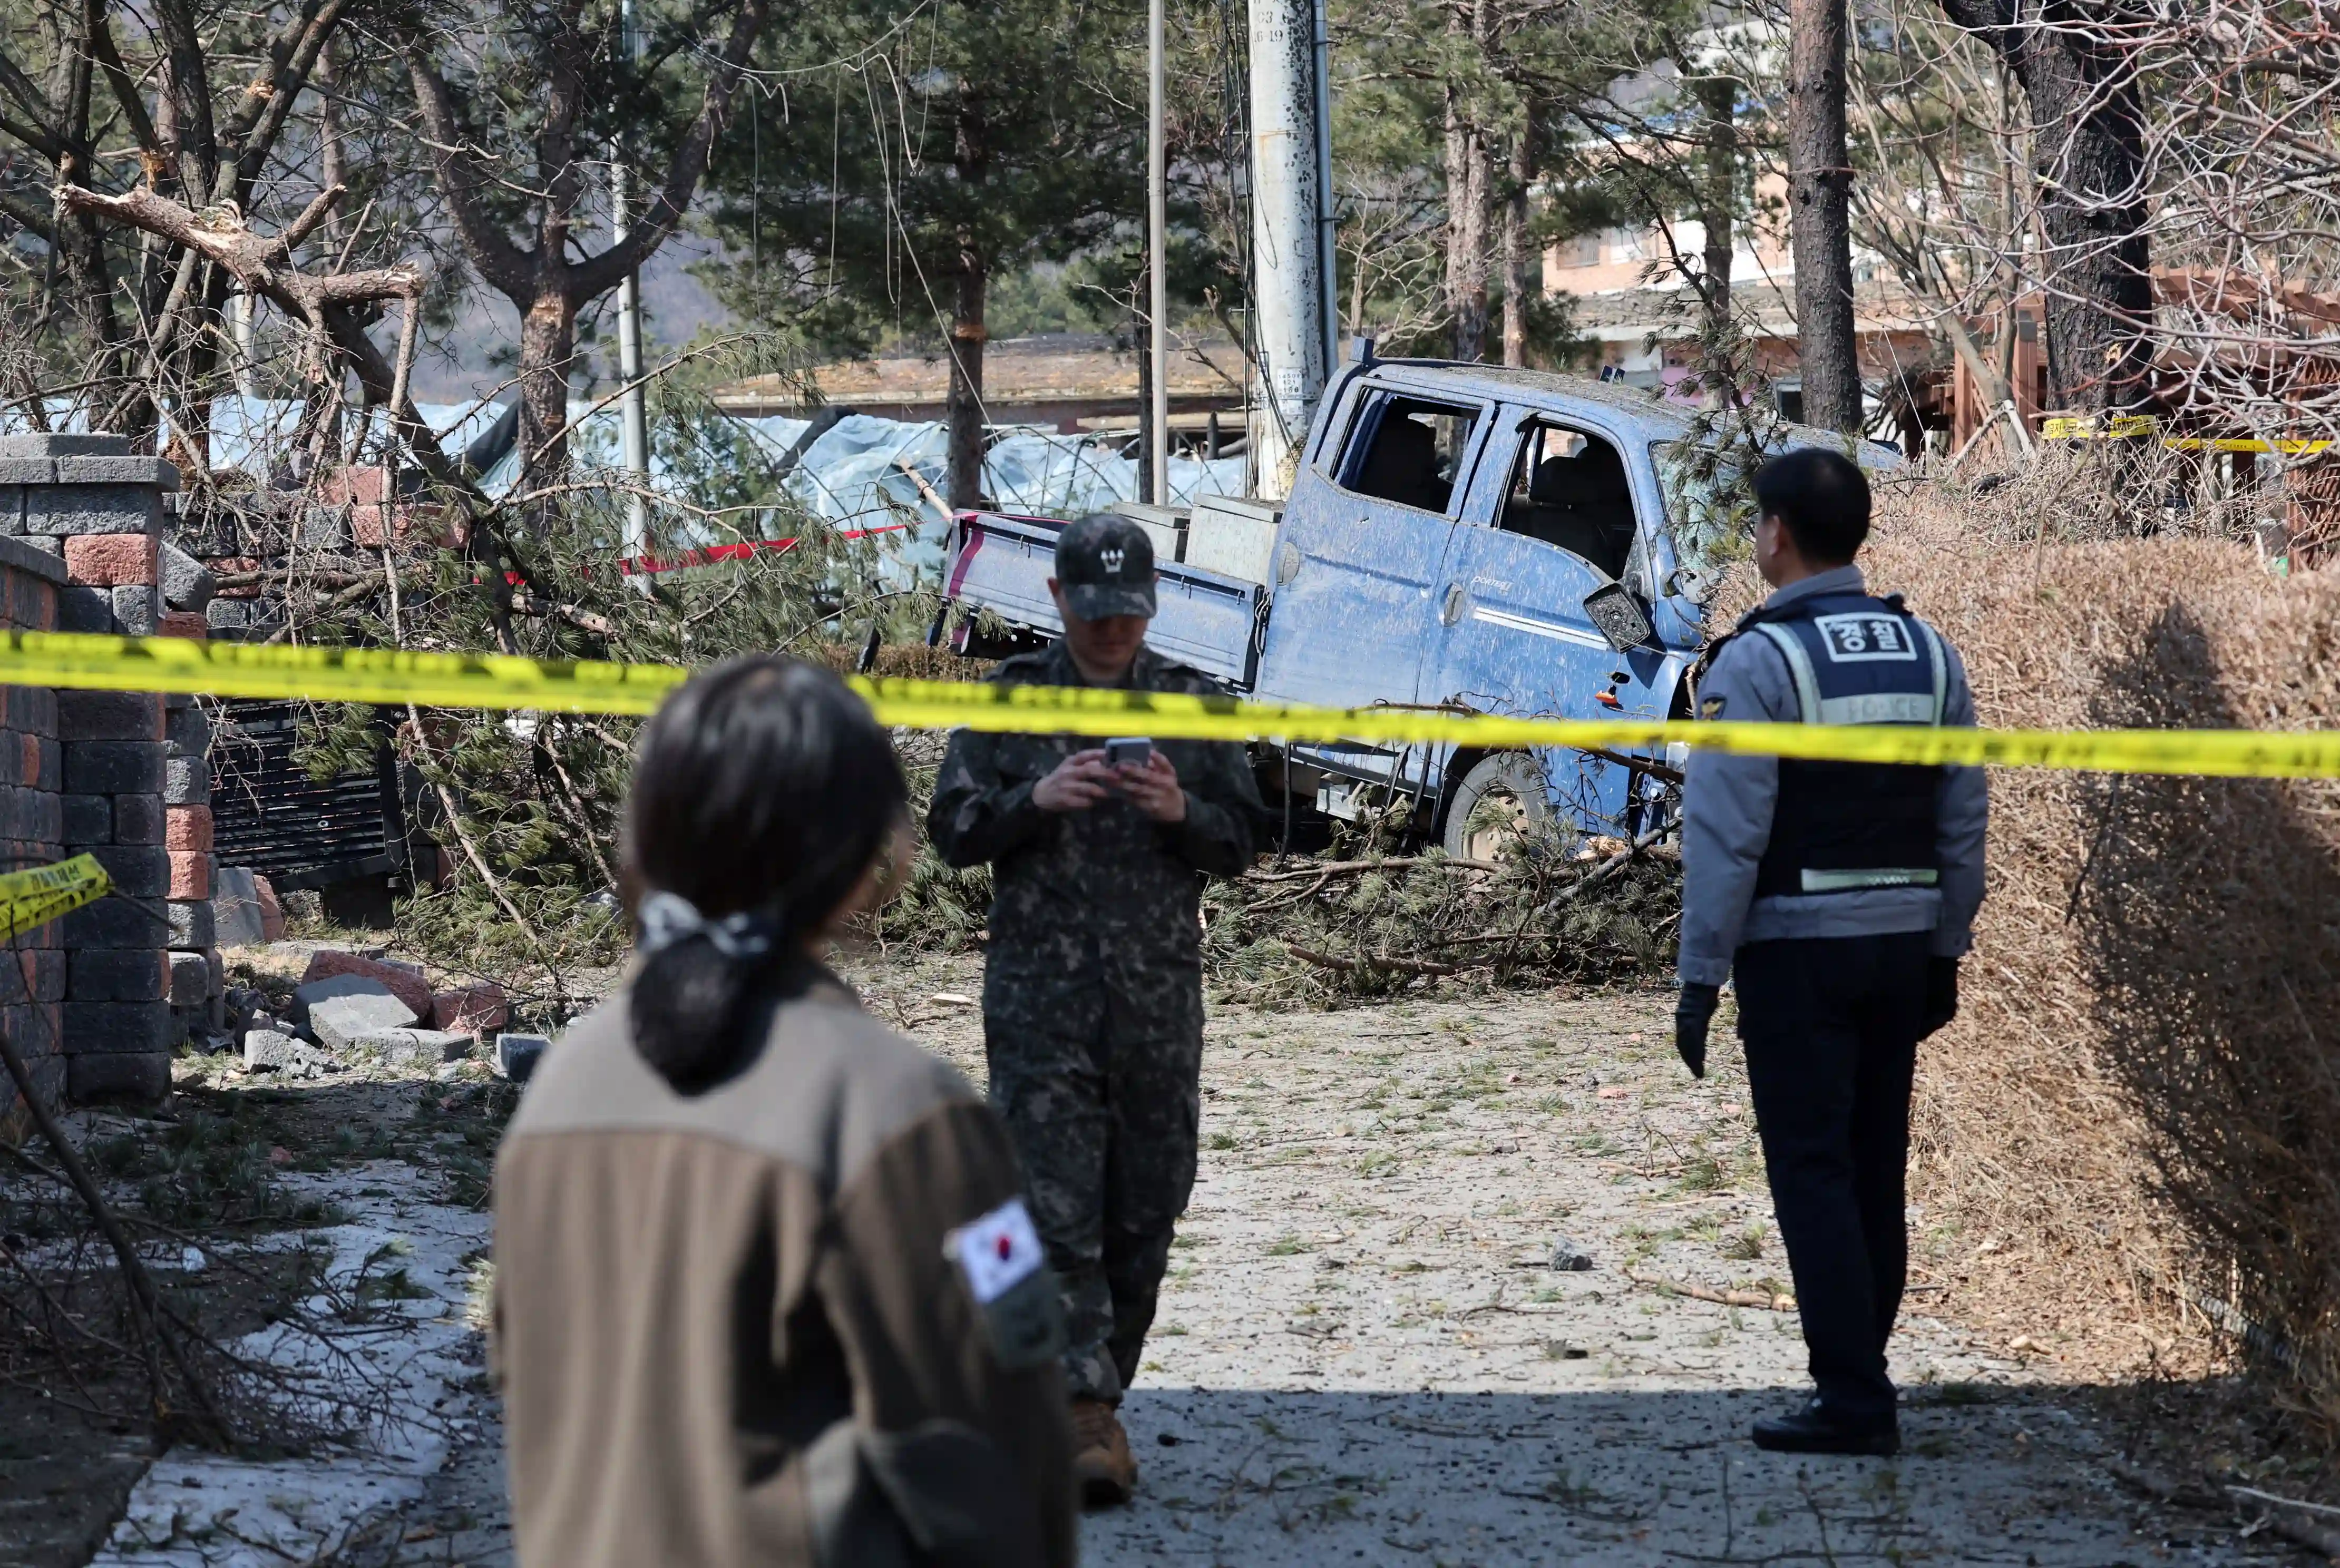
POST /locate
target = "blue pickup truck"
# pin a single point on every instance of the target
(1461, 537)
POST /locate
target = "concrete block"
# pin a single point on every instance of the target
(518, 1054)
(32, 817)
(187, 583)
(188, 730)
(29, 603)
(191, 979)
(141, 1078)
(237, 566)
(235, 907)
(53, 444)
(191, 873)
(274, 1050)
(339, 1010)
(77, 469)
(214, 976)
(137, 870)
(99, 1027)
(34, 710)
(61, 511)
(228, 615)
(117, 974)
(479, 1009)
(108, 560)
(86, 609)
(186, 780)
(47, 771)
(109, 717)
(271, 912)
(327, 527)
(139, 819)
(187, 827)
(45, 972)
(117, 922)
(137, 610)
(414, 1047)
(18, 472)
(190, 924)
(184, 624)
(12, 509)
(406, 984)
(114, 767)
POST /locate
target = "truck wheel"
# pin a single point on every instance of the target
(1500, 801)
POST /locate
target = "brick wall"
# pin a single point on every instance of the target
(31, 829)
(120, 775)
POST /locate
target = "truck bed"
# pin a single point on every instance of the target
(1002, 564)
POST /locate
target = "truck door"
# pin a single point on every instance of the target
(1362, 541)
(1553, 516)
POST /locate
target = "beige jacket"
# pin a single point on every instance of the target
(799, 1319)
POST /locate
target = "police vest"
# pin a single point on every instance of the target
(1840, 827)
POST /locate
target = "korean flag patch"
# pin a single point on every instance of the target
(999, 1257)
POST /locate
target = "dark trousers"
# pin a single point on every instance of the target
(1101, 1094)
(1830, 1026)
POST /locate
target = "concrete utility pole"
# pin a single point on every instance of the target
(1157, 228)
(1820, 200)
(631, 406)
(1288, 201)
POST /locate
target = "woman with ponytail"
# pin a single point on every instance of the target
(766, 1292)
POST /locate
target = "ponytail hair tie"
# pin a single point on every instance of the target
(667, 918)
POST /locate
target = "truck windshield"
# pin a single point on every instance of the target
(1710, 509)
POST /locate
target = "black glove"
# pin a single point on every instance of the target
(1693, 1010)
(1941, 994)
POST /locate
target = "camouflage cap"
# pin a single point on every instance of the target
(1105, 564)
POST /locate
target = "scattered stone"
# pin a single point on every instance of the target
(478, 1009)
(414, 1047)
(272, 913)
(187, 583)
(344, 1008)
(1569, 1258)
(235, 907)
(518, 1054)
(406, 983)
(271, 1050)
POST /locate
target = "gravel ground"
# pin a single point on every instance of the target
(1364, 1352)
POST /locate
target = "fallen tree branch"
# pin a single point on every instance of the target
(2305, 1532)
(1381, 962)
(1781, 1303)
(134, 1272)
(1338, 867)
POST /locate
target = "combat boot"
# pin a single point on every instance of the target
(1102, 1464)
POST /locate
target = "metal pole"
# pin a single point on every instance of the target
(1157, 228)
(1327, 219)
(633, 413)
(1287, 258)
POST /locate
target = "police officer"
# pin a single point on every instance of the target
(1841, 895)
(1093, 991)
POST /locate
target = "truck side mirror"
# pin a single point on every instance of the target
(1617, 615)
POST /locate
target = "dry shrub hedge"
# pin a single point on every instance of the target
(2137, 1112)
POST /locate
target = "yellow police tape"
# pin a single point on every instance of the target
(32, 898)
(498, 682)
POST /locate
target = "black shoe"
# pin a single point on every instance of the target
(1812, 1430)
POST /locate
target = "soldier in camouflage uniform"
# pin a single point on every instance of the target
(1092, 993)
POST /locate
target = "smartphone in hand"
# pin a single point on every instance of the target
(1129, 752)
